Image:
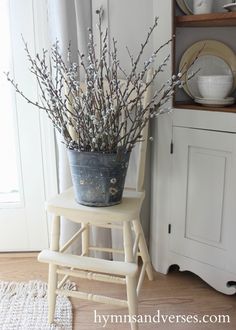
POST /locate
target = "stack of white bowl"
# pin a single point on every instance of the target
(215, 90)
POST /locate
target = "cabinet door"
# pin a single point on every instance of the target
(203, 213)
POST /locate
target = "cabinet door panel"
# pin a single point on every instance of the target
(204, 181)
(206, 171)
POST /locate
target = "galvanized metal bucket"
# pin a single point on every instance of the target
(98, 179)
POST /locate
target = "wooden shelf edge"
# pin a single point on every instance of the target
(194, 106)
(206, 20)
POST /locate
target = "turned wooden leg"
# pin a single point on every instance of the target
(52, 274)
(128, 242)
(143, 248)
(131, 281)
(132, 298)
(85, 239)
(52, 286)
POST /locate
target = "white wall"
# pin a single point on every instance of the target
(129, 21)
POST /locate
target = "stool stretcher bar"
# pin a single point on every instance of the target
(92, 297)
(92, 276)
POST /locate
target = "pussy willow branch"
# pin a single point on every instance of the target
(104, 114)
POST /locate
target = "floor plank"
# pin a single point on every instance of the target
(177, 293)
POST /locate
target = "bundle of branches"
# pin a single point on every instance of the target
(98, 114)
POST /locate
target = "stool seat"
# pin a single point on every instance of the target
(66, 206)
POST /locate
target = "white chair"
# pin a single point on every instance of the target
(126, 217)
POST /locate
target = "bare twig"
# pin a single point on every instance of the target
(103, 114)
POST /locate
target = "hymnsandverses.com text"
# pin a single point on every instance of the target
(159, 318)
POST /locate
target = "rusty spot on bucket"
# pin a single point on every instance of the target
(113, 191)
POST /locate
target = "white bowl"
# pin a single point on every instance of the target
(216, 78)
(213, 88)
(230, 7)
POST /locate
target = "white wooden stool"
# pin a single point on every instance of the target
(125, 216)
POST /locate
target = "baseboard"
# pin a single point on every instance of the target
(19, 254)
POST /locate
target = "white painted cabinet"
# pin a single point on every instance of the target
(193, 193)
(194, 210)
(203, 214)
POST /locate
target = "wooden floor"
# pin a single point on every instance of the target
(177, 293)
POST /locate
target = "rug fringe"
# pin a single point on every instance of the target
(31, 288)
(68, 285)
(24, 305)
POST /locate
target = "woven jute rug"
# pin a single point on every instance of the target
(23, 306)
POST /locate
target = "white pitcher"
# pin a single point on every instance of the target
(202, 6)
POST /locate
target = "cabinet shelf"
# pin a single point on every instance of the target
(206, 20)
(194, 106)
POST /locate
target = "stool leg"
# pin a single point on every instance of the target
(52, 286)
(85, 239)
(131, 281)
(132, 299)
(52, 274)
(128, 242)
(143, 248)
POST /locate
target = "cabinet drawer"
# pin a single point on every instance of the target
(209, 120)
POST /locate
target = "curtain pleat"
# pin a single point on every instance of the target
(68, 22)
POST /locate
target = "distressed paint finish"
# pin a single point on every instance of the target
(98, 178)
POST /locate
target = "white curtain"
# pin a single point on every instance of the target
(68, 22)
